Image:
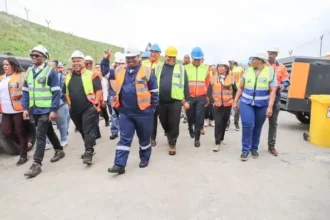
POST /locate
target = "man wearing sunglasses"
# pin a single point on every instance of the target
(41, 99)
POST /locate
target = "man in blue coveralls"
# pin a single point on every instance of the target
(136, 100)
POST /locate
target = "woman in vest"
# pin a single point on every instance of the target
(221, 95)
(13, 126)
(257, 91)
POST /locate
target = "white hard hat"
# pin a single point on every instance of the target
(261, 55)
(118, 52)
(77, 54)
(273, 49)
(41, 49)
(119, 58)
(89, 58)
(223, 62)
(60, 65)
(131, 51)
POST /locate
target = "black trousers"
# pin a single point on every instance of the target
(169, 116)
(209, 112)
(154, 128)
(104, 113)
(44, 128)
(221, 117)
(86, 125)
(196, 115)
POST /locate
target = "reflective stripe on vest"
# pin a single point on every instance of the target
(196, 78)
(142, 91)
(87, 80)
(40, 94)
(222, 93)
(256, 87)
(177, 90)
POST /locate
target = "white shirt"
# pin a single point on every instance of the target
(105, 86)
(6, 105)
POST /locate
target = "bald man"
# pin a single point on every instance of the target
(186, 59)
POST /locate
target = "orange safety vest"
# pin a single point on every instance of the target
(222, 93)
(141, 86)
(15, 86)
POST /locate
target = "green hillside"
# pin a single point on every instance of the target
(19, 36)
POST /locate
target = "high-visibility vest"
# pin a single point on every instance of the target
(257, 87)
(87, 77)
(149, 64)
(196, 78)
(15, 86)
(40, 94)
(177, 90)
(141, 85)
(222, 93)
(237, 74)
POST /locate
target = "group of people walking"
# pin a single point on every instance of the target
(138, 90)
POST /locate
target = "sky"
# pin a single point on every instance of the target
(234, 29)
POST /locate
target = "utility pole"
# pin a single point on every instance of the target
(290, 52)
(321, 39)
(27, 13)
(48, 22)
(6, 6)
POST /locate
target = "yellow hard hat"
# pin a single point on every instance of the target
(171, 51)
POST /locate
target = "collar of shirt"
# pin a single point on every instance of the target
(135, 70)
(38, 68)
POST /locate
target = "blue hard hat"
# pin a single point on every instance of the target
(155, 47)
(197, 53)
(145, 54)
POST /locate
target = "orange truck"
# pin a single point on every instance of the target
(308, 76)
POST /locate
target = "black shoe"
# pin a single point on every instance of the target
(191, 133)
(34, 171)
(245, 156)
(113, 136)
(185, 120)
(107, 124)
(153, 143)
(237, 128)
(272, 150)
(255, 154)
(59, 154)
(83, 155)
(22, 160)
(197, 143)
(88, 157)
(143, 164)
(117, 169)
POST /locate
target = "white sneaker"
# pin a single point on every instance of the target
(64, 143)
(216, 148)
(206, 123)
(48, 146)
(211, 123)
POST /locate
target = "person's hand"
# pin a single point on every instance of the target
(269, 112)
(107, 54)
(235, 106)
(26, 115)
(186, 106)
(52, 116)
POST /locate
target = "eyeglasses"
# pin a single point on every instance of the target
(35, 55)
(88, 63)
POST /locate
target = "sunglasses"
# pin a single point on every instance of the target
(88, 63)
(35, 55)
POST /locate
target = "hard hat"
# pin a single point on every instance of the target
(273, 49)
(77, 54)
(120, 58)
(197, 53)
(223, 62)
(41, 49)
(156, 48)
(60, 65)
(261, 55)
(118, 52)
(131, 51)
(89, 58)
(145, 54)
(171, 51)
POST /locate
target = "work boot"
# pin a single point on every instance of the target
(272, 150)
(153, 142)
(185, 120)
(107, 124)
(197, 143)
(171, 150)
(255, 154)
(22, 160)
(113, 136)
(143, 164)
(117, 169)
(245, 156)
(216, 147)
(83, 155)
(34, 171)
(191, 133)
(88, 157)
(202, 132)
(237, 128)
(59, 154)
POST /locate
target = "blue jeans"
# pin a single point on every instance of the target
(114, 129)
(253, 118)
(62, 122)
